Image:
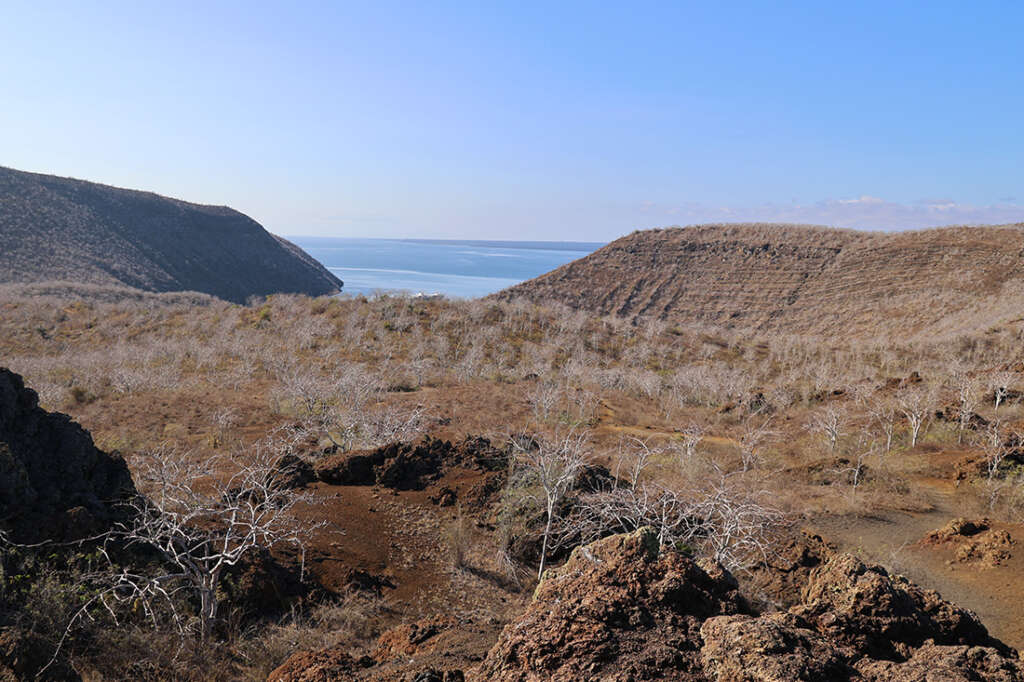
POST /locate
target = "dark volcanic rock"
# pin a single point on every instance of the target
(409, 466)
(54, 482)
(350, 468)
(23, 655)
(261, 585)
(294, 472)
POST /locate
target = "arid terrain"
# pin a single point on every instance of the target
(801, 279)
(736, 454)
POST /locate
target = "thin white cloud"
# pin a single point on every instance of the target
(861, 200)
(864, 212)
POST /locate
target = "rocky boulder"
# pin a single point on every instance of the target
(973, 541)
(411, 639)
(434, 649)
(327, 665)
(777, 581)
(871, 613)
(54, 482)
(932, 663)
(410, 466)
(617, 610)
(776, 646)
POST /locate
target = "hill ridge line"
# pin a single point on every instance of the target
(799, 279)
(65, 229)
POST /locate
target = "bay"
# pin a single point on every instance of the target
(453, 268)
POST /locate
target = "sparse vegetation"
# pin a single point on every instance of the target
(721, 440)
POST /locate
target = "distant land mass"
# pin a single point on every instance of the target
(512, 244)
(800, 279)
(54, 228)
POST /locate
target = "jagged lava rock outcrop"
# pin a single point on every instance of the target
(54, 482)
(409, 466)
(618, 610)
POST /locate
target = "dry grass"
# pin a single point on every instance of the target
(139, 370)
(128, 367)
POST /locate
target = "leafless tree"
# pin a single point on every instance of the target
(828, 422)
(993, 444)
(629, 502)
(856, 466)
(347, 408)
(884, 413)
(753, 437)
(730, 523)
(201, 521)
(623, 509)
(995, 450)
(222, 419)
(543, 399)
(734, 525)
(555, 464)
(390, 424)
(420, 361)
(999, 383)
(915, 404)
(968, 397)
(693, 435)
(472, 361)
(636, 454)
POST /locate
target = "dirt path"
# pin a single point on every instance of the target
(891, 539)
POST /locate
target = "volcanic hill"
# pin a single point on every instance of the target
(54, 228)
(800, 279)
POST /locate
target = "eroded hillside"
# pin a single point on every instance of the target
(800, 279)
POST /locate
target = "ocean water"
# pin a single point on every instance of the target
(454, 268)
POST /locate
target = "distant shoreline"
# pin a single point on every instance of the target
(500, 244)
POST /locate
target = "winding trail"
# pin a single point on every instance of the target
(891, 538)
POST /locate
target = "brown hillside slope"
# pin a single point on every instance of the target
(800, 279)
(54, 228)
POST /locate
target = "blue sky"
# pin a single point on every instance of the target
(527, 120)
